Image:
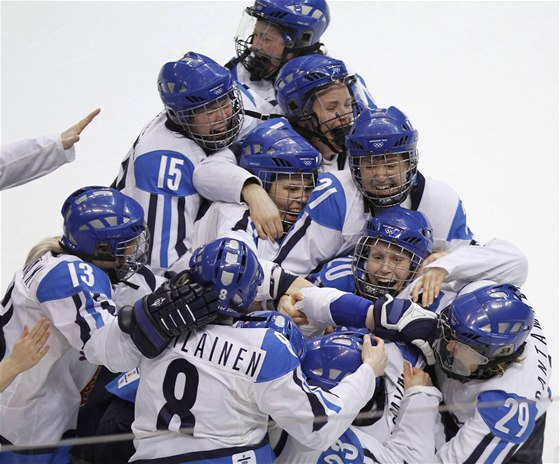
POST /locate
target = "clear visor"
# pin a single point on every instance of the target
(454, 356)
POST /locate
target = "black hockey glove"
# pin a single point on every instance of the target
(169, 311)
(400, 319)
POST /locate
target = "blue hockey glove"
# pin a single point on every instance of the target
(403, 320)
(169, 311)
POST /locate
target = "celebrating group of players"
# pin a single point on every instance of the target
(271, 279)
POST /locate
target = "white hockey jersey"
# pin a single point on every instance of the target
(29, 159)
(42, 403)
(496, 416)
(158, 172)
(210, 395)
(335, 216)
(408, 442)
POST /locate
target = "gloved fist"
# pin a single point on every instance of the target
(177, 308)
(171, 310)
(399, 319)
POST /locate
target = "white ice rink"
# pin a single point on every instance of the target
(479, 81)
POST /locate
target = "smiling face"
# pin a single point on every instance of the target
(290, 193)
(388, 266)
(384, 175)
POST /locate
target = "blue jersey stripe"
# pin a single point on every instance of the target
(165, 228)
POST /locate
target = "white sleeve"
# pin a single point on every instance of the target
(316, 417)
(408, 441)
(220, 178)
(111, 347)
(497, 260)
(29, 159)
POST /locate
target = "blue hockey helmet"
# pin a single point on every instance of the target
(402, 239)
(197, 86)
(281, 324)
(383, 155)
(301, 23)
(302, 81)
(274, 150)
(103, 224)
(232, 268)
(481, 330)
(330, 358)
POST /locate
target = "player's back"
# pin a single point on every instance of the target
(205, 384)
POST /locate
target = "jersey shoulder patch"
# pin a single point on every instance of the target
(70, 278)
(327, 204)
(280, 358)
(509, 416)
(164, 172)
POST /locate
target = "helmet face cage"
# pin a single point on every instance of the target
(103, 224)
(333, 120)
(281, 324)
(382, 267)
(298, 26)
(290, 193)
(385, 179)
(234, 271)
(131, 255)
(214, 124)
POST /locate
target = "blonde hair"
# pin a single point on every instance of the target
(51, 244)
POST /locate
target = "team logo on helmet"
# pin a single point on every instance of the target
(217, 90)
(391, 231)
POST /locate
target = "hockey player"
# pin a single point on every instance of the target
(209, 395)
(29, 159)
(204, 114)
(386, 258)
(78, 282)
(493, 369)
(321, 98)
(270, 33)
(286, 165)
(330, 358)
(383, 161)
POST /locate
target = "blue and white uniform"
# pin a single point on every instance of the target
(232, 220)
(158, 173)
(334, 218)
(264, 88)
(41, 404)
(408, 442)
(220, 385)
(496, 416)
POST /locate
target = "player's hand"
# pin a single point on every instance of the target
(286, 306)
(375, 356)
(30, 347)
(430, 259)
(70, 136)
(399, 319)
(264, 213)
(415, 377)
(430, 284)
